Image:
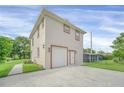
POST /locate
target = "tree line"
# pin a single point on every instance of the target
(18, 48)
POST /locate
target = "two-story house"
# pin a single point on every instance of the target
(55, 42)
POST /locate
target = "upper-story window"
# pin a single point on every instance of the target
(66, 28)
(77, 35)
(32, 41)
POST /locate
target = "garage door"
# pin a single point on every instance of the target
(59, 56)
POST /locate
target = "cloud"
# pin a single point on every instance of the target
(111, 29)
(15, 24)
(93, 18)
(98, 43)
(6, 35)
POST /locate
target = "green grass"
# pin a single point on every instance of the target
(106, 64)
(6, 67)
(31, 67)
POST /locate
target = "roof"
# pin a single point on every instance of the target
(45, 12)
(92, 54)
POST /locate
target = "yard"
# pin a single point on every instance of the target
(106, 64)
(6, 67)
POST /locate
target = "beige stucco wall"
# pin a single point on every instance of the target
(53, 34)
(38, 42)
(56, 36)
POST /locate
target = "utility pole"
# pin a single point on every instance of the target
(91, 46)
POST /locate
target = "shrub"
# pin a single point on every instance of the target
(118, 60)
(2, 61)
(28, 62)
(8, 59)
(108, 57)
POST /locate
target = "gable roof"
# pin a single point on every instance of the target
(45, 12)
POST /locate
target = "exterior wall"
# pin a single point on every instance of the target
(55, 35)
(38, 43)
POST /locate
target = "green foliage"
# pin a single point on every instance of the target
(100, 52)
(118, 46)
(107, 56)
(118, 60)
(88, 50)
(21, 48)
(5, 47)
(17, 49)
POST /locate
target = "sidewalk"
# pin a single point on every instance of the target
(16, 69)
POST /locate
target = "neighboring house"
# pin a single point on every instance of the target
(87, 57)
(56, 42)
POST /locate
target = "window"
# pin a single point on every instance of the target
(38, 52)
(32, 41)
(66, 29)
(77, 35)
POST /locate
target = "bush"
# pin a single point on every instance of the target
(118, 60)
(108, 57)
(8, 59)
(2, 61)
(28, 62)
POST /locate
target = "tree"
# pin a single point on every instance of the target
(100, 52)
(88, 50)
(5, 47)
(118, 46)
(21, 47)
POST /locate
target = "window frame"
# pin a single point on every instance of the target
(65, 30)
(77, 37)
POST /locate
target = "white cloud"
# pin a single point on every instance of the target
(99, 43)
(111, 29)
(13, 22)
(6, 35)
(14, 25)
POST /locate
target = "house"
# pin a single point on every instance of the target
(55, 42)
(87, 57)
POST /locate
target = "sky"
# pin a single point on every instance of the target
(105, 22)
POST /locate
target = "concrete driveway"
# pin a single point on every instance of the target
(74, 76)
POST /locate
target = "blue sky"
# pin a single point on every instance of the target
(106, 22)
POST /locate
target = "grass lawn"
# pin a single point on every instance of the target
(31, 67)
(106, 64)
(6, 67)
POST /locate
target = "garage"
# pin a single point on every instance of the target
(59, 56)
